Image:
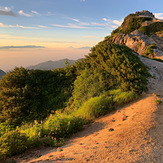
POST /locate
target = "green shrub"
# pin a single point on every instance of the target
(5, 127)
(157, 59)
(151, 28)
(90, 83)
(120, 97)
(150, 50)
(26, 95)
(12, 143)
(118, 30)
(132, 23)
(60, 126)
(36, 131)
(158, 101)
(95, 107)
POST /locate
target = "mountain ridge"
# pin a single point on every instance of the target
(50, 65)
(2, 73)
(139, 31)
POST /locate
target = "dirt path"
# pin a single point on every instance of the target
(137, 139)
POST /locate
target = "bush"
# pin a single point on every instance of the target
(149, 51)
(120, 97)
(152, 28)
(60, 126)
(95, 107)
(90, 83)
(5, 127)
(132, 23)
(12, 143)
(118, 30)
(35, 131)
(26, 95)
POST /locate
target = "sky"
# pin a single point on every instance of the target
(35, 31)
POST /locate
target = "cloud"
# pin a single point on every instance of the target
(49, 14)
(16, 26)
(76, 20)
(6, 36)
(42, 26)
(117, 22)
(25, 27)
(82, 0)
(113, 23)
(22, 13)
(6, 11)
(35, 12)
(90, 37)
(159, 15)
(21, 47)
(100, 24)
(69, 25)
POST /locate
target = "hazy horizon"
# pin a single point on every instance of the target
(32, 32)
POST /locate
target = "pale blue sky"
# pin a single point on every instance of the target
(58, 25)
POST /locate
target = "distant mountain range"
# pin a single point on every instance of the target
(2, 73)
(51, 65)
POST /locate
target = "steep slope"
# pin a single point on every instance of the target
(51, 65)
(138, 32)
(2, 73)
(137, 139)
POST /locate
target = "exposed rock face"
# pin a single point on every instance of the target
(137, 40)
(144, 13)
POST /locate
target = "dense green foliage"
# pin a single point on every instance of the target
(150, 50)
(27, 95)
(130, 23)
(50, 105)
(62, 125)
(12, 143)
(120, 97)
(152, 28)
(118, 67)
(133, 23)
(95, 107)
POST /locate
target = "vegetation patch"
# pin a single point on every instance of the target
(152, 28)
(150, 51)
(40, 108)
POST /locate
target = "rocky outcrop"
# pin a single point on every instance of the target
(136, 40)
(144, 13)
(139, 42)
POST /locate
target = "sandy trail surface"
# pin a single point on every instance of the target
(137, 139)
